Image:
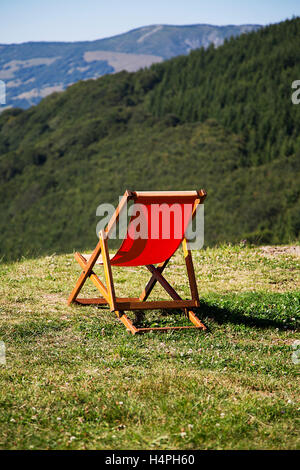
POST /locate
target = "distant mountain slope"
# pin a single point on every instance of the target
(34, 70)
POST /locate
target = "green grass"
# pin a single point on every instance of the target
(75, 379)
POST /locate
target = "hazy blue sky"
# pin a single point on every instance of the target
(77, 20)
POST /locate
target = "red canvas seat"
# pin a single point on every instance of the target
(154, 233)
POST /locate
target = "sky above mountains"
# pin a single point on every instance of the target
(80, 20)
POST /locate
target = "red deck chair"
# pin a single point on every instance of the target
(156, 249)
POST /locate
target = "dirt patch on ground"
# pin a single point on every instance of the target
(280, 250)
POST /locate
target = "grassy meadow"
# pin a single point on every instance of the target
(75, 379)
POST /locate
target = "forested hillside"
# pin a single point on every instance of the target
(245, 85)
(220, 119)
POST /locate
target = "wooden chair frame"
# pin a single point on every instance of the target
(120, 305)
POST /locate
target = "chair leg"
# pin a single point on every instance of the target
(193, 284)
(127, 322)
(85, 273)
(108, 271)
(195, 320)
(190, 271)
(93, 277)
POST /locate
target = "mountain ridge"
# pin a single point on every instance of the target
(139, 28)
(30, 75)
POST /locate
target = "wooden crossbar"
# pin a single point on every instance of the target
(136, 304)
(168, 328)
(85, 273)
(164, 283)
(151, 283)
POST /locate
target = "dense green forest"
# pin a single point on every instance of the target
(220, 119)
(245, 85)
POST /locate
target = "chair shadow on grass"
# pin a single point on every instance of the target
(220, 315)
(223, 315)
